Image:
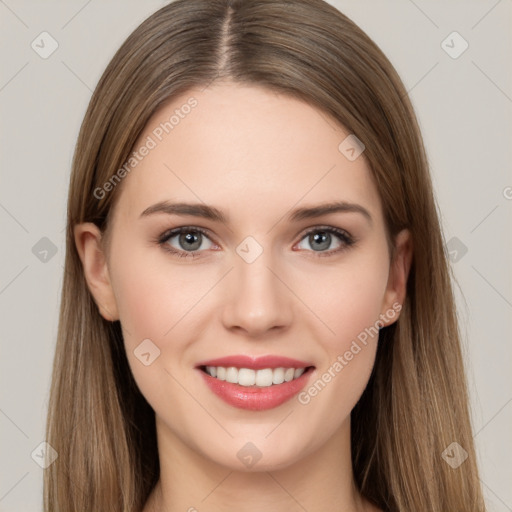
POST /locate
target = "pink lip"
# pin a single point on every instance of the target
(255, 398)
(255, 363)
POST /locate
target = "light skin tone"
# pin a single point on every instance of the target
(256, 156)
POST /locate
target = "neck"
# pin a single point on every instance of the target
(319, 481)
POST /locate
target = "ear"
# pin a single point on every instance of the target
(88, 238)
(394, 296)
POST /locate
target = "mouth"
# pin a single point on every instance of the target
(250, 378)
(255, 384)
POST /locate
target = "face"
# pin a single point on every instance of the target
(263, 274)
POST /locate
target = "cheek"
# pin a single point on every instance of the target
(151, 296)
(348, 299)
(350, 305)
(141, 302)
(151, 299)
(157, 301)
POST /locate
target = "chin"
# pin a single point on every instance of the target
(258, 455)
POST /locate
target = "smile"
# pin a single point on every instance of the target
(255, 383)
(248, 377)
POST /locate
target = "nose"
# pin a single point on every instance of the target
(257, 300)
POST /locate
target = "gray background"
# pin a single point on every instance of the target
(464, 106)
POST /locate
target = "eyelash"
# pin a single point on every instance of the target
(344, 237)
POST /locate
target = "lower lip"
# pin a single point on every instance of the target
(255, 398)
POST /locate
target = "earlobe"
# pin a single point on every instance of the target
(88, 239)
(398, 275)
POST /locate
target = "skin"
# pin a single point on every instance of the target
(256, 155)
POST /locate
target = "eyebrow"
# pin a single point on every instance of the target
(210, 212)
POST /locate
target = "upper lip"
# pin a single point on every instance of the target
(255, 363)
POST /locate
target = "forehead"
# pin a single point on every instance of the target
(247, 150)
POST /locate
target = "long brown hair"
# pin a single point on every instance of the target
(416, 402)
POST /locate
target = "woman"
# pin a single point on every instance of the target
(257, 311)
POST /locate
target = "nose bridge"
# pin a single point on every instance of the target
(258, 300)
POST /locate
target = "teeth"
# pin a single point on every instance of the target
(248, 377)
(232, 375)
(278, 376)
(264, 377)
(288, 374)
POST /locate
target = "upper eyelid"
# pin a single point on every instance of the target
(171, 233)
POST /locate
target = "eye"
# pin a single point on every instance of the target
(189, 240)
(321, 238)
